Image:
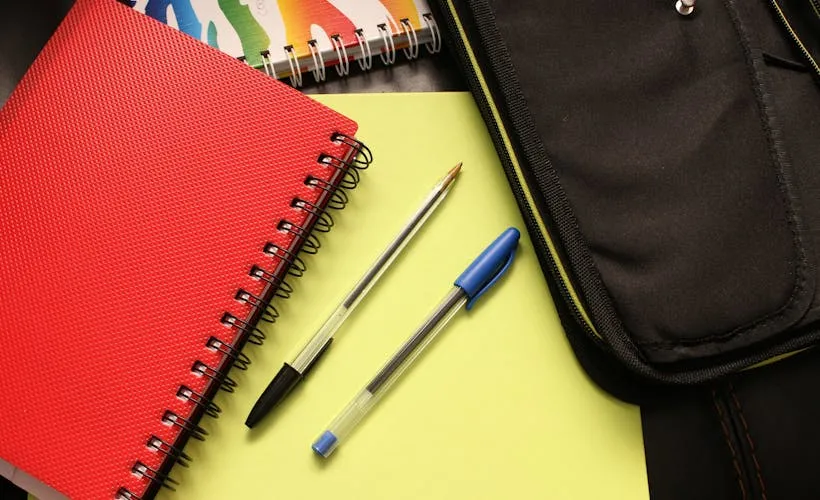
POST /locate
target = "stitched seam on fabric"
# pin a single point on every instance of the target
(750, 441)
(762, 98)
(725, 429)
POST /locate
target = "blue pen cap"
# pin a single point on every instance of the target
(325, 444)
(489, 266)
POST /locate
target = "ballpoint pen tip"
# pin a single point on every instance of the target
(451, 175)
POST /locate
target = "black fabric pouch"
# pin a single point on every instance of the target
(670, 188)
(668, 169)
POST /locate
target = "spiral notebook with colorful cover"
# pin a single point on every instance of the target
(291, 38)
(150, 211)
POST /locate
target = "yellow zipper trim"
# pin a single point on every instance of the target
(794, 35)
(775, 359)
(814, 8)
(518, 172)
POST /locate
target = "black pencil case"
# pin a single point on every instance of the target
(666, 166)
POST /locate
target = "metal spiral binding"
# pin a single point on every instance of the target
(324, 221)
(267, 63)
(295, 68)
(192, 430)
(366, 60)
(209, 407)
(362, 51)
(153, 475)
(412, 50)
(283, 289)
(269, 313)
(343, 66)
(296, 266)
(434, 46)
(388, 52)
(201, 369)
(255, 335)
(319, 73)
(240, 361)
(126, 494)
(310, 243)
(348, 168)
(156, 444)
(344, 176)
(338, 199)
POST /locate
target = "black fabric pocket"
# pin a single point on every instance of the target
(666, 143)
(661, 134)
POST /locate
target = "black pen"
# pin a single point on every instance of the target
(292, 373)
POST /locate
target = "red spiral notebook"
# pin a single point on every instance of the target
(154, 194)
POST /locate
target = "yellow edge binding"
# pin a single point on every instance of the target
(519, 174)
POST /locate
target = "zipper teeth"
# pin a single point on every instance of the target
(516, 185)
(815, 5)
(794, 36)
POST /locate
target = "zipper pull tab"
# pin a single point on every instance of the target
(685, 7)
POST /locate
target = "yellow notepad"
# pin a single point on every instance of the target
(496, 408)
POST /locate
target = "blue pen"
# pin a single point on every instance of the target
(477, 279)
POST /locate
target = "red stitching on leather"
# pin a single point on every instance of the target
(725, 428)
(749, 440)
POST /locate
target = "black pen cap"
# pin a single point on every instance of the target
(279, 387)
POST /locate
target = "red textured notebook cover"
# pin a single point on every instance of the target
(141, 175)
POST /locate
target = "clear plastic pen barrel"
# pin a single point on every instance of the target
(341, 427)
(311, 350)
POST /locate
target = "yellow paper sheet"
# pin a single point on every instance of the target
(497, 407)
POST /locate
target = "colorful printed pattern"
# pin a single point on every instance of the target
(249, 27)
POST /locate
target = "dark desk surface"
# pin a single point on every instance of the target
(25, 26)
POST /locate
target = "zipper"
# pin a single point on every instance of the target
(782, 16)
(815, 5)
(518, 183)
